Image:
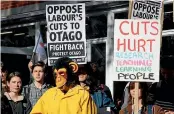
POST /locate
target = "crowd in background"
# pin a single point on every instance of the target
(154, 98)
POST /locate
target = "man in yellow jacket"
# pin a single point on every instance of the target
(67, 97)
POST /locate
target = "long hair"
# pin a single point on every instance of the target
(143, 86)
(91, 81)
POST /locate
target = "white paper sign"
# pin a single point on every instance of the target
(146, 9)
(66, 34)
(136, 50)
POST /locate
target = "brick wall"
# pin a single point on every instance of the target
(14, 4)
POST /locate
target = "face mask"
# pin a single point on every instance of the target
(61, 77)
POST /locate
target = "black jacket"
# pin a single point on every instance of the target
(11, 107)
(161, 94)
(5, 105)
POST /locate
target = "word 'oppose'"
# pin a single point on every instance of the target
(64, 9)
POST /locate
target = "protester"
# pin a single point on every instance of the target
(12, 101)
(142, 104)
(90, 83)
(99, 76)
(98, 69)
(125, 96)
(162, 93)
(3, 75)
(67, 97)
(36, 89)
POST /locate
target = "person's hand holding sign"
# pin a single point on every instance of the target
(30, 64)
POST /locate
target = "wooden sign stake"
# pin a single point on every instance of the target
(136, 103)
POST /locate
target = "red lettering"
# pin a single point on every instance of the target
(154, 27)
(141, 43)
(151, 40)
(121, 44)
(136, 27)
(135, 44)
(120, 27)
(129, 47)
(145, 27)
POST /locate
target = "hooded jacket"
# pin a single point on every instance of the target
(76, 101)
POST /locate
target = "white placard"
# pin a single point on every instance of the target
(136, 50)
(66, 34)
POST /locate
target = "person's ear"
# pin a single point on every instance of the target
(74, 66)
(8, 84)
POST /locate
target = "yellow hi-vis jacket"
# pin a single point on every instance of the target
(76, 101)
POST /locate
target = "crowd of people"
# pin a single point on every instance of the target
(78, 90)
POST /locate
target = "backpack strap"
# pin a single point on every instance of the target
(27, 91)
(149, 109)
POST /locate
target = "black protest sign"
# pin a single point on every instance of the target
(66, 35)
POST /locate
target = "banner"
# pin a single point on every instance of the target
(39, 50)
(146, 9)
(66, 34)
(136, 50)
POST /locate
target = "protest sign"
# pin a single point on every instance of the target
(66, 34)
(146, 9)
(136, 50)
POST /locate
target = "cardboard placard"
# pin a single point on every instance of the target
(136, 50)
(66, 34)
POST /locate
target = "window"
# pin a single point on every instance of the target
(18, 37)
(98, 57)
(96, 26)
(167, 46)
(123, 15)
(168, 17)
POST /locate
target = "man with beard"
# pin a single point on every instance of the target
(67, 97)
(162, 93)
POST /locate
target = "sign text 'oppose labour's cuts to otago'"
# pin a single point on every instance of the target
(146, 9)
(136, 50)
(66, 30)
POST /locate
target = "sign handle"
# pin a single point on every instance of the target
(162, 19)
(130, 9)
(136, 103)
(135, 100)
